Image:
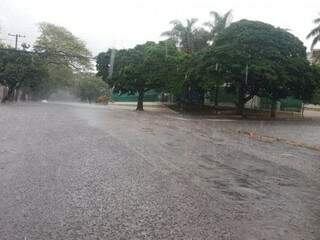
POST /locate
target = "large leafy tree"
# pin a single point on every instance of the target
(64, 54)
(137, 70)
(60, 47)
(259, 59)
(191, 40)
(315, 33)
(59, 77)
(206, 70)
(89, 87)
(21, 70)
(314, 83)
(206, 74)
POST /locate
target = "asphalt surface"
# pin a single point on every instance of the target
(72, 171)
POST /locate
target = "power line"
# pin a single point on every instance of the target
(17, 36)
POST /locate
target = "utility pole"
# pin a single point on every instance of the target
(166, 49)
(110, 65)
(17, 36)
(247, 73)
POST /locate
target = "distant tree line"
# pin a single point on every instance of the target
(248, 58)
(58, 60)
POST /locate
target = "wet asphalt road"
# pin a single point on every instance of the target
(71, 171)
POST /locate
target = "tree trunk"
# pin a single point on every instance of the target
(23, 96)
(216, 96)
(273, 108)
(16, 95)
(140, 100)
(201, 99)
(9, 96)
(302, 109)
(240, 107)
(4, 94)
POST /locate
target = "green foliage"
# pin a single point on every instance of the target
(208, 75)
(220, 23)
(57, 56)
(89, 87)
(64, 54)
(59, 77)
(276, 60)
(251, 58)
(137, 70)
(315, 80)
(198, 75)
(59, 46)
(21, 70)
(188, 37)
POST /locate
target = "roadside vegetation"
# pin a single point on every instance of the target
(246, 58)
(58, 60)
(193, 63)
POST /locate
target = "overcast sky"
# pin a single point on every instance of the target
(124, 23)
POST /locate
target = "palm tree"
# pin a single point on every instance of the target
(315, 33)
(219, 24)
(188, 37)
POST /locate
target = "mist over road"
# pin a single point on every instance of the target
(72, 171)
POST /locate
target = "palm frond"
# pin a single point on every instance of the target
(228, 18)
(176, 22)
(191, 21)
(317, 20)
(314, 32)
(228, 14)
(208, 24)
(221, 21)
(215, 14)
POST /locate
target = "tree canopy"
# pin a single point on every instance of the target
(259, 59)
(89, 87)
(248, 58)
(56, 56)
(137, 70)
(20, 69)
(59, 46)
(64, 54)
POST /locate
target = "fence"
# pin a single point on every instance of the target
(149, 96)
(225, 98)
(288, 104)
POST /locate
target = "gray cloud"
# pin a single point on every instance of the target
(124, 23)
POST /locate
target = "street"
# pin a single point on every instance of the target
(75, 171)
